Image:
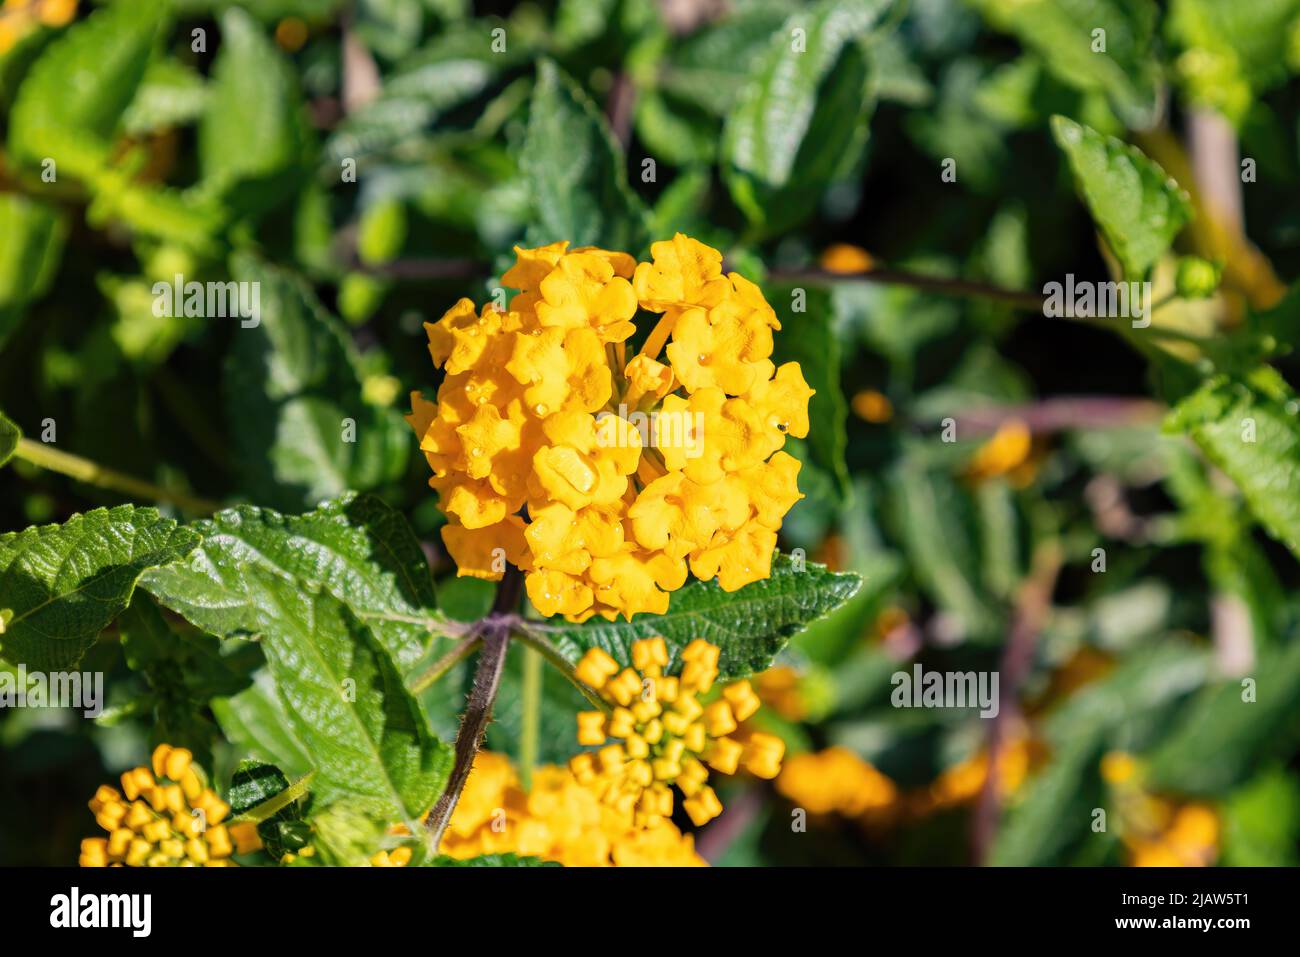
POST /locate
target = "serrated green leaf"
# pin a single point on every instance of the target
(356, 549)
(809, 338)
(1246, 428)
(1120, 61)
(710, 67)
(65, 583)
(293, 386)
(9, 436)
(1136, 205)
(750, 626)
(576, 171)
(71, 102)
(801, 117)
(363, 731)
(253, 132)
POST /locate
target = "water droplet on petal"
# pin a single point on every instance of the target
(476, 451)
(541, 409)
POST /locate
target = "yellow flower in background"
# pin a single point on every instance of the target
(164, 816)
(1158, 831)
(558, 819)
(18, 18)
(659, 734)
(610, 480)
(843, 258)
(835, 781)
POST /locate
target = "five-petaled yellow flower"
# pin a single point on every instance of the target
(610, 478)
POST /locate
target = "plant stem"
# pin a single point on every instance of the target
(531, 703)
(495, 631)
(556, 660)
(458, 653)
(84, 470)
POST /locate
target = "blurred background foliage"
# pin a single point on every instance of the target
(218, 140)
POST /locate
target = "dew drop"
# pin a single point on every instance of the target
(703, 359)
(541, 409)
(476, 451)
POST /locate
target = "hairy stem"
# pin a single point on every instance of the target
(84, 470)
(495, 632)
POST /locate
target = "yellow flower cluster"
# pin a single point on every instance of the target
(835, 781)
(152, 822)
(1158, 831)
(19, 17)
(667, 736)
(559, 819)
(606, 478)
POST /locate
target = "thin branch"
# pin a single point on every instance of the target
(496, 628)
(1033, 605)
(458, 653)
(92, 473)
(1065, 413)
(540, 643)
(619, 106)
(942, 285)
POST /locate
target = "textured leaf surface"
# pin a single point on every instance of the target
(750, 625)
(1244, 427)
(575, 171)
(293, 386)
(346, 701)
(70, 104)
(1137, 206)
(799, 118)
(64, 583)
(491, 860)
(355, 549)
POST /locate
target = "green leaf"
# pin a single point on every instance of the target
(750, 626)
(1063, 33)
(253, 132)
(356, 549)
(71, 102)
(255, 783)
(294, 387)
(1226, 732)
(711, 67)
(1247, 429)
(362, 729)
(576, 172)
(171, 94)
(937, 521)
(32, 235)
(1261, 822)
(1136, 205)
(9, 436)
(183, 673)
(65, 583)
(254, 721)
(801, 119)
(491, 860)
(1054, 810)
(809, 338)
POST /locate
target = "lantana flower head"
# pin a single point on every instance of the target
(164, 816)
(659, 734)
(608, 477)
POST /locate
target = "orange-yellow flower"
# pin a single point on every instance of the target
(610, 480)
